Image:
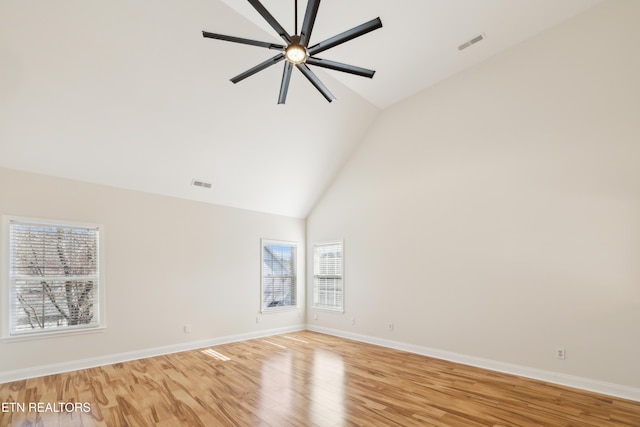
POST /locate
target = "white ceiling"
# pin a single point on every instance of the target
(129, 94)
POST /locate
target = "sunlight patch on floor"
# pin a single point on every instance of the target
(295, 339)
(272, 343)
(215, 354)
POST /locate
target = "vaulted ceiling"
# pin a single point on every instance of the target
(129, 94)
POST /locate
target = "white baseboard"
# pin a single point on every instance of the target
(610, 389)
(74, 365)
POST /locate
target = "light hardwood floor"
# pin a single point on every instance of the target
(304, 379)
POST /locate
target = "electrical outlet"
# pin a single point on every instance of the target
(390, 326)
(187, 329)
(353, 320)
(561, 353)
(315, 316)
(257, 319)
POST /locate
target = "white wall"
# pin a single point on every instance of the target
(497, 215)
(169, 262)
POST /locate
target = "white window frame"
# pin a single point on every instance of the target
(8, 303)
(263, 272)
(337, 275)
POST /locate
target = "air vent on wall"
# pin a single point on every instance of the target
(199, 183)
(471, 42)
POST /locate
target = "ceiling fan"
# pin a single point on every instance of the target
(297, 51)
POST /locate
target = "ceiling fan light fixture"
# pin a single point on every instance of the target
(295, 52)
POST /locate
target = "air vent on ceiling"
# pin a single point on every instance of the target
(471, 42)
(199, 183)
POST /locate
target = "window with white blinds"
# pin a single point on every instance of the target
(279, 274)
(328, 280)
(54, 277)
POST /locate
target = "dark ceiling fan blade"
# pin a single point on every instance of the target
(284, 86)
(309, 20)
(269, 62)
(241, 40)
(315, 81)
(352, 69)
(351, 34)
(271, 20)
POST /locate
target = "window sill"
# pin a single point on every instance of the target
(333, 310)
(52, 334)
(279, 309)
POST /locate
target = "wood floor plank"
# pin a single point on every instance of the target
(306, 379)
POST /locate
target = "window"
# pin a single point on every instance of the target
(279, 274)
(328, 283)
(54, 280)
